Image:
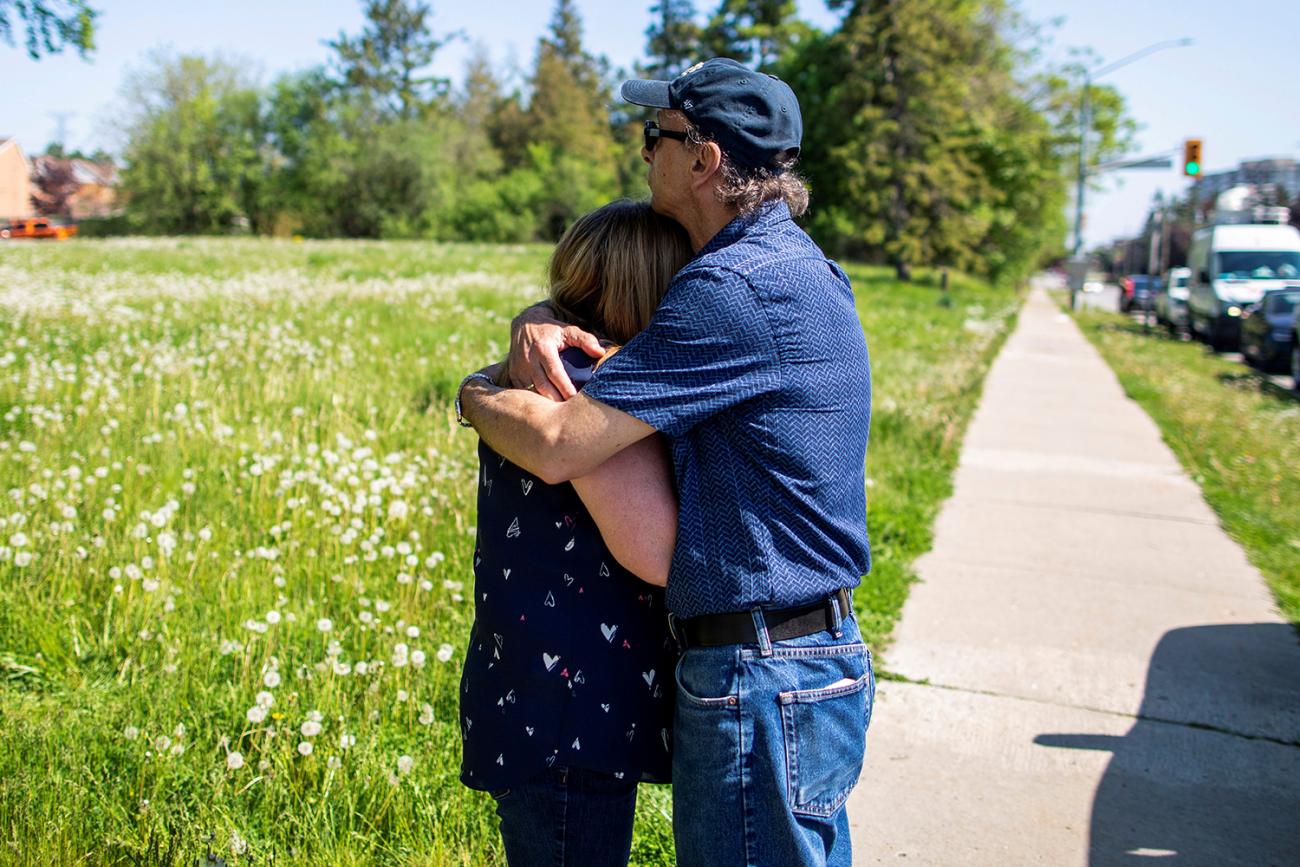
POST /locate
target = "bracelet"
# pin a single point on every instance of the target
(478, 374)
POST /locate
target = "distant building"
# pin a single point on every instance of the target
(1282, 173)
(93, 186)
(15, 181)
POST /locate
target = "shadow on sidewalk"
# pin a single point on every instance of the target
(1210, 773)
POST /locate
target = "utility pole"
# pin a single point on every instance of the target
(1089, 76)
(61, 126)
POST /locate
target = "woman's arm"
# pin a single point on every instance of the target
(632, 500)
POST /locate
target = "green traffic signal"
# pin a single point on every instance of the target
(1193, 169)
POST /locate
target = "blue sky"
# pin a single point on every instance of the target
(1234, 88)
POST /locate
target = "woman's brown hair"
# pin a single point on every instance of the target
(613, 266)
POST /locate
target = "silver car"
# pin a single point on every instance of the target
(1171, 299)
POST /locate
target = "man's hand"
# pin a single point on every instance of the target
(536, 338)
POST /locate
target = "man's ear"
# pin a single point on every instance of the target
(707, 164)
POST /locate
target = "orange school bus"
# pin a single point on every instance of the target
(38, 227)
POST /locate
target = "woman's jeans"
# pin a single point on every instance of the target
(568, 817)
(769, 742)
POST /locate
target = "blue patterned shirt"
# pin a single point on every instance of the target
(756, 365)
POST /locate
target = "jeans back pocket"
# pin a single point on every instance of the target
(825, 742)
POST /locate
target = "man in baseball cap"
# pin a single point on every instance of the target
(755, 367)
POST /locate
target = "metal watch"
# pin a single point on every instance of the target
(478, 374)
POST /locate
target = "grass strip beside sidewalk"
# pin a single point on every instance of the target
(1236, 434)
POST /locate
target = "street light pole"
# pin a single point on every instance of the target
(1089, 76)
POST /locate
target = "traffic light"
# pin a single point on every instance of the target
(1192, 157)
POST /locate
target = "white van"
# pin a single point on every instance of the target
(1232, 266)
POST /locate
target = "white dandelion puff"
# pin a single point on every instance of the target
(305, 748)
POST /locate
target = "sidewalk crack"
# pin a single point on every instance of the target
(882, 674)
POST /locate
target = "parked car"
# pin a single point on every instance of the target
(38, 227)
(1268, 330)
(1138, 292)
(1295, 360)
(1171, 299)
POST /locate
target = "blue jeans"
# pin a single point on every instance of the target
(568, 817)
(769, 741)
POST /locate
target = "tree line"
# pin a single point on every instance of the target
(935, 133)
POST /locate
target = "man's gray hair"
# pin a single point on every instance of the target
(745, 189)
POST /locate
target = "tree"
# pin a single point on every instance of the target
(194, 155)
(887, 121)
(385, 61)
(571, 145)
(757, 32)
(51, 25)
(56, 184)
(672, 39)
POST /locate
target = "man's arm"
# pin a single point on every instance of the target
(632, 500)
(554, 441)
(536, 338)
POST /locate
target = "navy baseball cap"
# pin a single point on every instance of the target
(752, 116)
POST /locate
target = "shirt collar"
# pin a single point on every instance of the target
(765, 217)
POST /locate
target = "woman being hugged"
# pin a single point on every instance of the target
(566, 697)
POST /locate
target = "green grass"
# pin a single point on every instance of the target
(207, 446)
(1235, 433)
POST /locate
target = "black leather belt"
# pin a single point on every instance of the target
(737, 627)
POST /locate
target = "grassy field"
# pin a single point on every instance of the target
(1236, 433)
(237, 526)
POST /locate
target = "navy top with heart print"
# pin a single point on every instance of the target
(569, 660)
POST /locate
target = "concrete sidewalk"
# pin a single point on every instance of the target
(1098, 674)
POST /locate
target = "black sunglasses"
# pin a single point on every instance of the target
(653, 132)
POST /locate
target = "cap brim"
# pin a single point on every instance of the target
(649, 93)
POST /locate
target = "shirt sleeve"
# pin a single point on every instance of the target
(708, 348)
